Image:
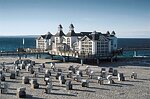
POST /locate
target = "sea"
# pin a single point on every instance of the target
(11, 43)
(134, 43)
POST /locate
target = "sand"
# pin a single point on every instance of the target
(130, 89)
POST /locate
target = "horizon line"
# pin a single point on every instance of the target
(40, 35)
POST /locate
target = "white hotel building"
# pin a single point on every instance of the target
(84, 43)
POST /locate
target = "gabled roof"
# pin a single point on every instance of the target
(112, 35)
(46, 36)
(85, 37)
(71, 33)
(95, 36)
(85, 33)
(59, 34)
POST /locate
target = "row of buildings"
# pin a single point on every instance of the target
(87, 43)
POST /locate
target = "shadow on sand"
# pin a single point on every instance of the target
(83, 90)
(31, 97)
(98, 88)
(13, 88)
(12, 81)
(59, 86)
(143, 79)
(9, 93)
(119, 84)
(133, 81)
(64, 94)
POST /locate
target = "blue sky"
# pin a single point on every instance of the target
(128, 18)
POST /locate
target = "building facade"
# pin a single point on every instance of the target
(85, 43)
(44, 42)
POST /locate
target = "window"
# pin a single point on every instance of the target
(87, 46)
(64, 40)
(68, 40)
(56, 40)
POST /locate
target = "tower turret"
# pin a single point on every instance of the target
(60, 31)
(60, 28)
(71, 27)
(71, 31)
(113, 33)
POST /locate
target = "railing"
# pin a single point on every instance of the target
(131, 49)
(76, 54)
(24, 51)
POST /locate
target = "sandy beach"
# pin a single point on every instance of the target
(129, 89)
